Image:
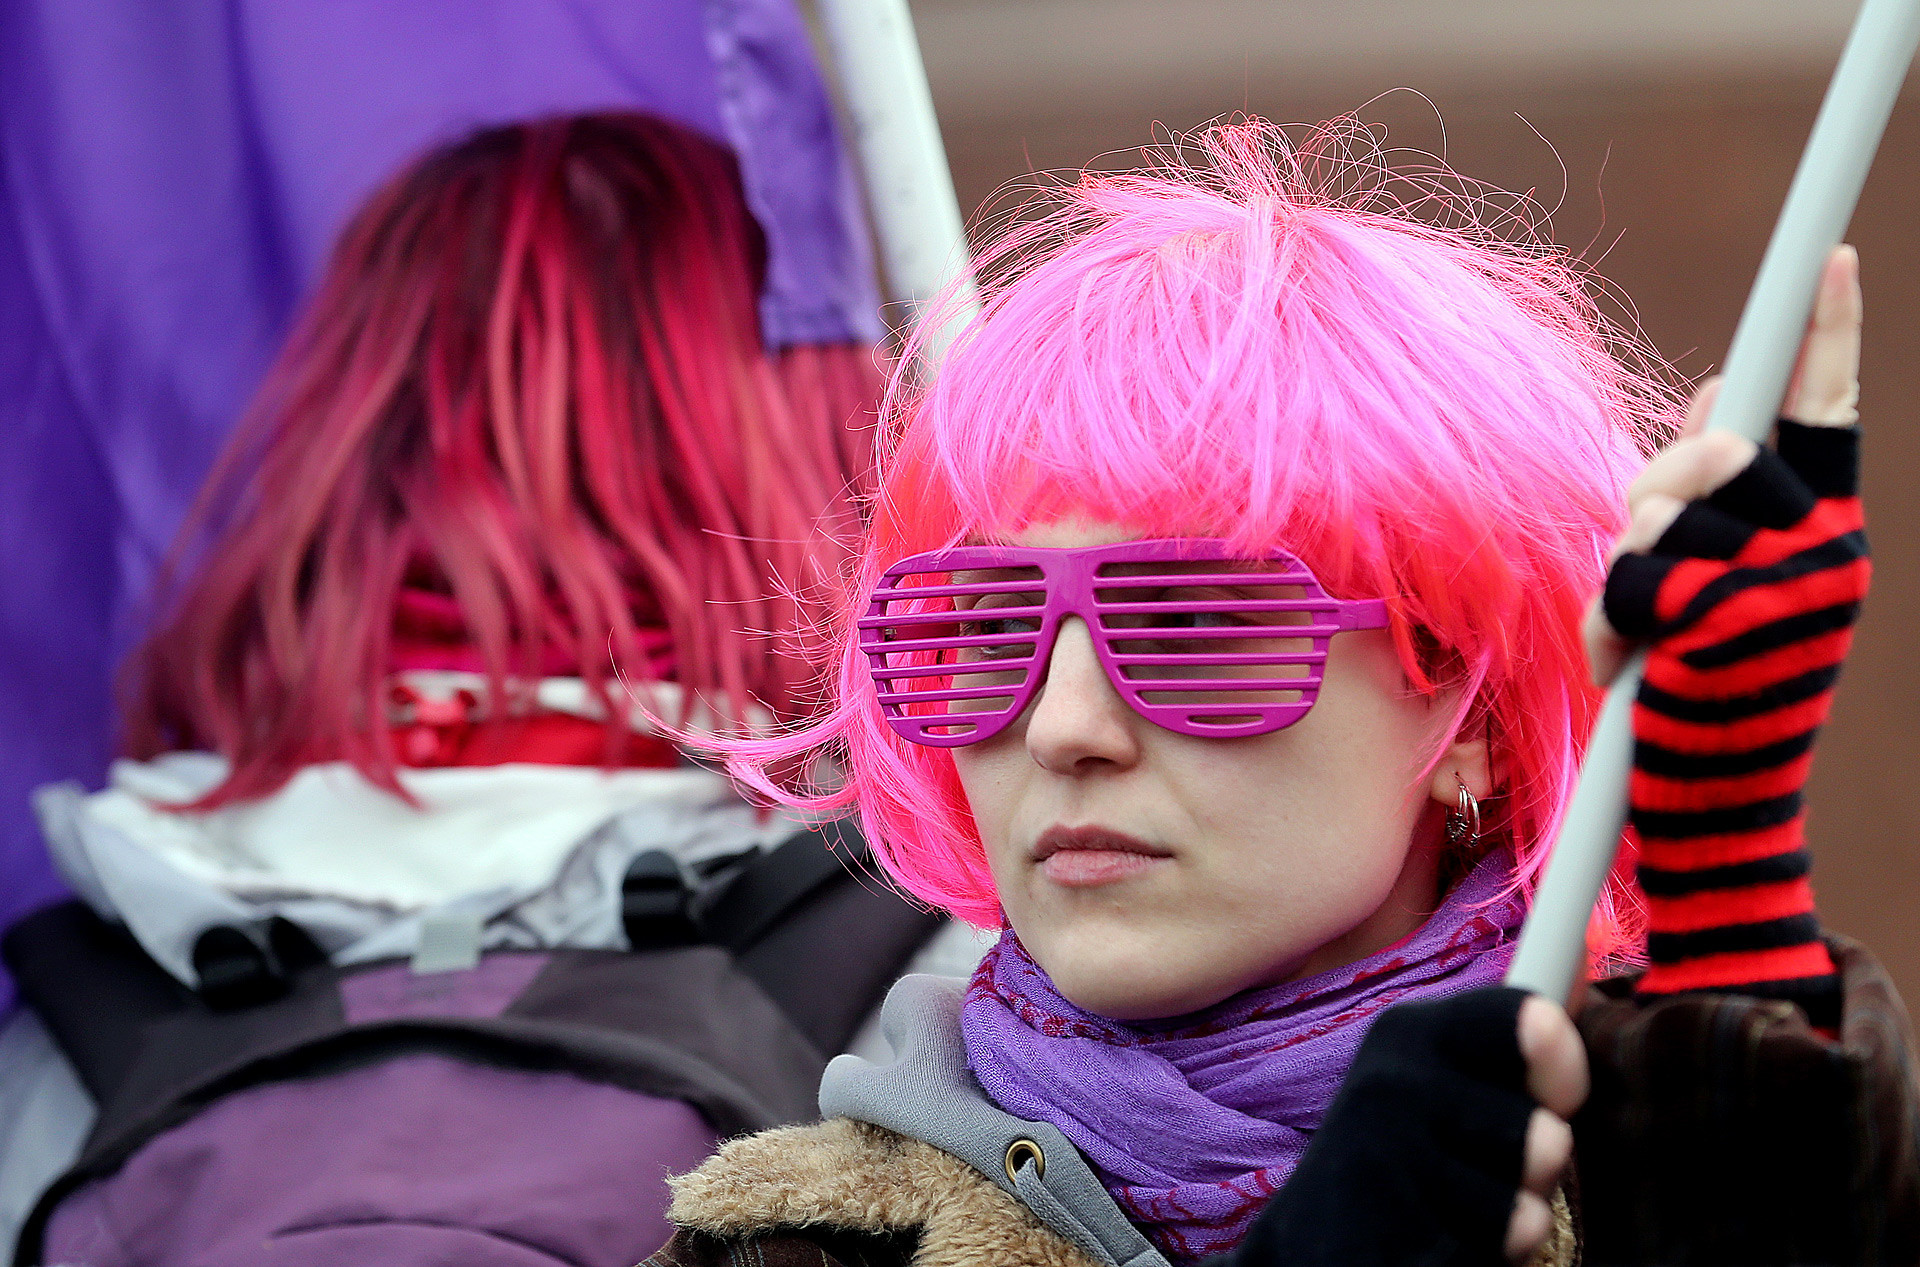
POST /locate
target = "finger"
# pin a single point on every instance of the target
(1826, 386)
(1653, 514)
(1528, 1227)
(1548, 1150)
(1692, 468)
(1556, 1059)
(1700, 408)
(1606, 649)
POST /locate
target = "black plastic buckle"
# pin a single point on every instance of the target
(238, 971)
(656, 905)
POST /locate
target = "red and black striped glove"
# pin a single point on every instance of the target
(1748, 602)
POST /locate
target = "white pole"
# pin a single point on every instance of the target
(923, 243)
(1759, 364)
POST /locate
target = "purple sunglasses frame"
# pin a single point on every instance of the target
(1069, 575)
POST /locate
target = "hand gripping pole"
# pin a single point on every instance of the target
(1759, 365)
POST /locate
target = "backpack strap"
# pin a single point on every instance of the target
(661, 906)
(774, 886)
(237, 970)
(815, 925)
(94, 989)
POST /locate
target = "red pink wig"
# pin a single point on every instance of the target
(1266, 346)
(531, 390)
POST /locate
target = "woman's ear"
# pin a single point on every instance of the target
(1464, 761)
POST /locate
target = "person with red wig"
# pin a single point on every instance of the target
(526, 430)
(525, 494)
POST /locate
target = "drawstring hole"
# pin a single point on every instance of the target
(1020, 1152)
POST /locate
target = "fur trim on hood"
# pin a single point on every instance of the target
(850, 1175)
(846, 1174)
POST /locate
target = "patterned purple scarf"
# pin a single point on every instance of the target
(1192, 1127)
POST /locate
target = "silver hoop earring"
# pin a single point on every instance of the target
(1463, 820)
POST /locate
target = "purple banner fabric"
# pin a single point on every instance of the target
(171, 176)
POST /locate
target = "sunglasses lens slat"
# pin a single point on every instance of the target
(1121, 573)
(1236, 605)
(951, 650)
(934, 697)
(909, 619)
(1212, 646)
(1210, 656)
(943, 589)
(1236, 686)
(889, 675)
(954, 644)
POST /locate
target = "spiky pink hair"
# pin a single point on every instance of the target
(1231, 348)
(532, 380)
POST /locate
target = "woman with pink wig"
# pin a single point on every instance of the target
(1217, 638)
(526, 493)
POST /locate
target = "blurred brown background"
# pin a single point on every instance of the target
(1677, 123)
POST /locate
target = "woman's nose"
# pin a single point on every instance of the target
(1078, 719)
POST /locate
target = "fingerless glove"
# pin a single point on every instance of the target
(1748, 603)
(1419, 1157)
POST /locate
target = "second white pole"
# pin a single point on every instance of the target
(917, 221)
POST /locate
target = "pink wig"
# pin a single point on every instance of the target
(532, 381)
(1431, 415)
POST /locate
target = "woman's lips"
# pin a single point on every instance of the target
(1085, 857)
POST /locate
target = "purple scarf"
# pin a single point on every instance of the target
(1193, 1126)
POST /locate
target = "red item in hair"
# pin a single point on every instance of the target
(447, 732)
(430, 635)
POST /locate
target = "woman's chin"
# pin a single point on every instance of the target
(1124, 986)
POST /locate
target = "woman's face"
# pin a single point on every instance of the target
(1153, 873)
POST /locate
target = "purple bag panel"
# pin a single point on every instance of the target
(526, 1110)
(419, 1160)
(395, 991)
